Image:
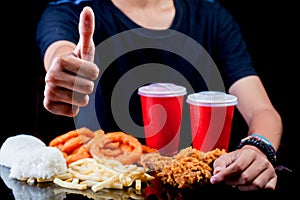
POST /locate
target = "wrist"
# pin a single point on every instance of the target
(262, 144)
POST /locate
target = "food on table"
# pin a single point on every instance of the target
(147, 149)
(41, 162)
(84, 143)
(71, 144)
(189, 167)
(82, 159)
(13, 148)
(29, 158)
(115, 145)
(111, 163)
(100, 173)
(154, 161)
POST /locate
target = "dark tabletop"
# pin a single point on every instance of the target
(14, 189)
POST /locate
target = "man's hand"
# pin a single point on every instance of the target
(70, 76)
(247, 169)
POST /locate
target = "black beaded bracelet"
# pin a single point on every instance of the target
(264, 146)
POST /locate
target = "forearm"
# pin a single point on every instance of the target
(257, 109)
(57, 49)
(268, 124)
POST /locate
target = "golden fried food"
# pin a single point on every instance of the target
(116, 145)
(79, 153)
(147, 149)
(189, 167)
(71, 144)
(84, 143)
(154, 161)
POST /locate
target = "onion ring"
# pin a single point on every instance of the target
(116, 145)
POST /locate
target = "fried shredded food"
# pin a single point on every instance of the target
(154, 161)
(189, 167)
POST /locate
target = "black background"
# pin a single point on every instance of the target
(269, 28)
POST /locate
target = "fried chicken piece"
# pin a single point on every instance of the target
(189, 167)
(154, 161)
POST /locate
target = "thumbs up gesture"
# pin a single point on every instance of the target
(86, 48)
(70, 70)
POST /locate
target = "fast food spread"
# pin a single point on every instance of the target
(95, 160)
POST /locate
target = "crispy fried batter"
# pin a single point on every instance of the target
(115, 145)
(154, 161)
(71, 144)
(84, 143)
(188, 167)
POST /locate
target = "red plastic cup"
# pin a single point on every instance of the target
(211, 114)
(162, 113)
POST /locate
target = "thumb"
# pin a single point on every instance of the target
(86, 48)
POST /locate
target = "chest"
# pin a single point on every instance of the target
(157, 17)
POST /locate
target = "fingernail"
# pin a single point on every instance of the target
(213, 180)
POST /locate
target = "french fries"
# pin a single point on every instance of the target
(70, 185)
(99, 173)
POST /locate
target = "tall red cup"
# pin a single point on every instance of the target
(211, 114)
(162, 113)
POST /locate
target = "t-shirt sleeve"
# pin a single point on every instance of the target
(233, 58)
(59, 21)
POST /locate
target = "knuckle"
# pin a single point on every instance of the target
(81, 100)
(48, 93)
(238, 167)
(85, 100)
(245, 178)
(59, 61)
(51, 78)
(90, 87)
(95, 72)
(259, 183)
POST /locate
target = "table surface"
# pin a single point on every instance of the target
(13, 189)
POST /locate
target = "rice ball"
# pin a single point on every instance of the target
(14, 147)
(41, 162)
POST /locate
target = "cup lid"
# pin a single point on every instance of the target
(212, 98)
(162, 90)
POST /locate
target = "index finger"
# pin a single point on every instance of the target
(222, 167)
(83, 68)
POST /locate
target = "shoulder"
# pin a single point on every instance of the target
(209, 3)
(201, 7)
(208, 10)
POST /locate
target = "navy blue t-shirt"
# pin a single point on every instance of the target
(202, 50)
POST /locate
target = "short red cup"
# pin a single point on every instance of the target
(162, 113)
(211, 114)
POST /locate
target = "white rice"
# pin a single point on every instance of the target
(29, 157)
(15, 146)
(42, 162)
